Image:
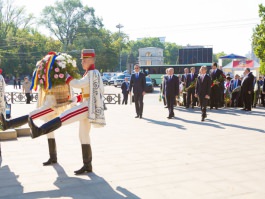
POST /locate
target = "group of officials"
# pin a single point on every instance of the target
(209, 89)
(202, 89)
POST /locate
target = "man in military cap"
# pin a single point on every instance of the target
(89, 111)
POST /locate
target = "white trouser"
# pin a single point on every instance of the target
(45, 112)
(78, 113)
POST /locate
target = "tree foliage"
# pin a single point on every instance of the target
(67, 18)
(73, 27)
(12, 18)
(258, 39)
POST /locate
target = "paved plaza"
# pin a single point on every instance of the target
(149, 158)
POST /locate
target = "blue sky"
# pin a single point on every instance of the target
(227, 25)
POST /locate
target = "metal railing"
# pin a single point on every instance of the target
(18, 97)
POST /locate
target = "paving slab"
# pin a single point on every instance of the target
(150, 158)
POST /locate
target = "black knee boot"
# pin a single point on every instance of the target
(45, 128)
(8, 124)
(52, 151)
(87, 159)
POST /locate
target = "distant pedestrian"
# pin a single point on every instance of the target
(125, 90)
(19, 83)
(26, 89)
(15, 83)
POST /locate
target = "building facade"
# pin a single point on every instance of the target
(151, 56)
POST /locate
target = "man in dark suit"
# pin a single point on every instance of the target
(184, 80)
(171, 88)
(125, 90)
(138, 84)
(203, 90)
(247, 89)
(191, 91)
(236, 82)
(217, 90)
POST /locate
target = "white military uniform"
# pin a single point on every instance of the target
(46, 112)
(2, 99)
(81, 112)
(2, 95)
(48, 107)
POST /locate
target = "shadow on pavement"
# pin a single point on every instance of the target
(71, 187)
(9, 185)
(238, 126)
(159, 122)
(200, 123)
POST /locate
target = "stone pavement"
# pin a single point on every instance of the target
(149, 158)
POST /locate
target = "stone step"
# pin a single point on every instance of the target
(9, 134)
(23, 131)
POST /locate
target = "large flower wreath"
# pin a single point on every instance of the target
(52, 70)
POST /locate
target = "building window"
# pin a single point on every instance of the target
(148, 54)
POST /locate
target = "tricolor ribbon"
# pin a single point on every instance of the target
(34, 81)
(48, 68)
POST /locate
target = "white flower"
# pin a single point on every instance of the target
(74, 63)
(60, 58)
(62, 64)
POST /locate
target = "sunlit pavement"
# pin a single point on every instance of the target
(152, 158)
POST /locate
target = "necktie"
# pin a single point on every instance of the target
(202, 77)
(235, 84)
(191, 76)
(137, 75)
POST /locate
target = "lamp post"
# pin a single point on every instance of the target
(120, 26)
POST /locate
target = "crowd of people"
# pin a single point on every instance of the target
(214, 89)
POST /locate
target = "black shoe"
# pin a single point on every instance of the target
(211, 108)
(50, 162)
(169, 117)
(187, 107)
(87, 159)
(216, 108)
(136, 116)
(48, 127)
(165, 107)
(84, 169)
(203, 119)
(52, 152)
(140, 117)
(243, 109)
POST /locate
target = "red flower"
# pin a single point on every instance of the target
(52, 53)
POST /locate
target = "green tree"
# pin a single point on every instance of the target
(67, 18)
(171, 53)
(12, 18)
(258, 39)
(216, 56)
